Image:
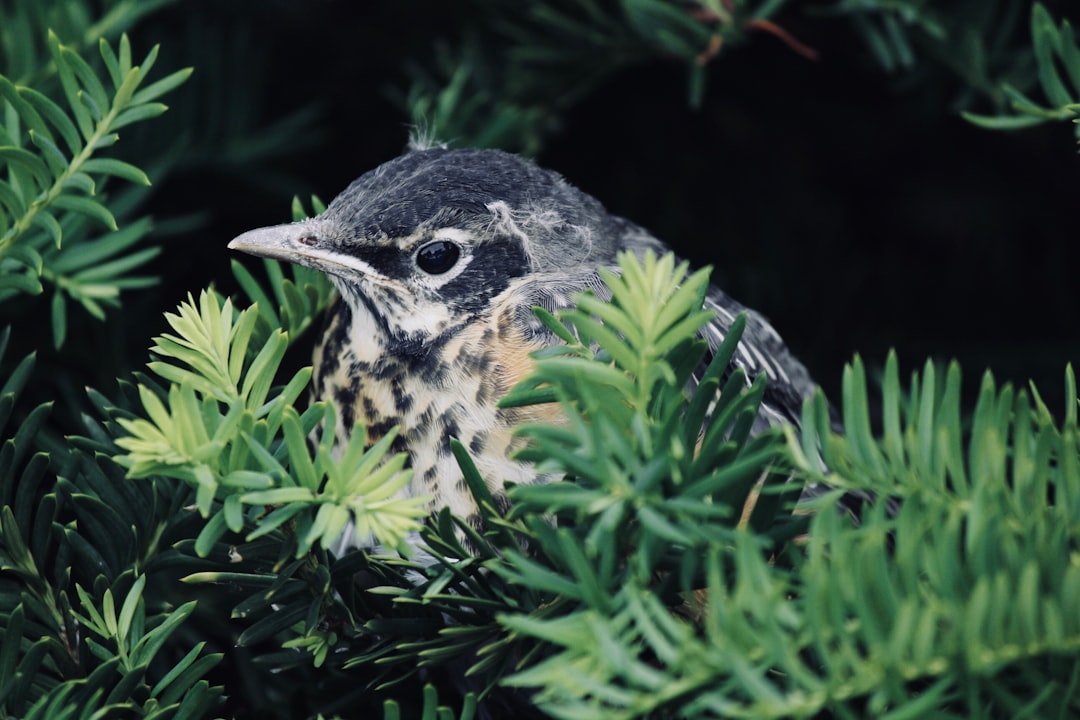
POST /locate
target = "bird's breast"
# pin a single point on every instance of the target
(451, 390)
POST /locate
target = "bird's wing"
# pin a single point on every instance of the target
(761, 350)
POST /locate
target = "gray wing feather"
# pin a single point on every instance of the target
(761, 350)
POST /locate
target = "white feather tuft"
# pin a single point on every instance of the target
(422, 137)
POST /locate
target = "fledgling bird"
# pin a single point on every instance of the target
(439, 257)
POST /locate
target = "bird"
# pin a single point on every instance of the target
(438, 257)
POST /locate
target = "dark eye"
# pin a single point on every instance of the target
(437, 257)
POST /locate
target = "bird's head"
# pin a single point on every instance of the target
(428, 240)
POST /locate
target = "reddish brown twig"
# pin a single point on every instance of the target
(711, 50)
(787, 38)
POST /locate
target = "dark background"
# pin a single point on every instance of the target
(851, 205)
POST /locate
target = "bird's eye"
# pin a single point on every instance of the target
(437, 257)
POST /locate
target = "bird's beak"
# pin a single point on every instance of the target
(296, 242)
(303, 243)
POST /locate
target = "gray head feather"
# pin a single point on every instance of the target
(485, 191)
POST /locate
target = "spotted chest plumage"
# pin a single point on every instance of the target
(439, 257)
(448, 389)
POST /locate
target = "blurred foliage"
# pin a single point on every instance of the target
(516, 72)
(512, 76)
(1057, 59)
(198, 578)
